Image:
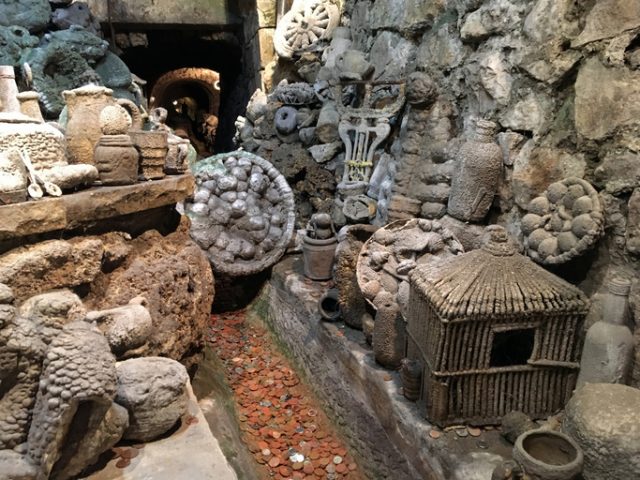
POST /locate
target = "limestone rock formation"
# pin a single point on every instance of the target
(30, 14)
(153, 390)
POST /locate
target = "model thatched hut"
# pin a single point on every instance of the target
(495, 333)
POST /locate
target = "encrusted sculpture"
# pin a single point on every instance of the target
(13, 178)
(479, 171)
(242, 212)
(115, 156)
(364, 128)
(308, 22)
(387, 258)
(298, 93)
(495, 333)
(318, 247)
(83, 126)
(564, 222)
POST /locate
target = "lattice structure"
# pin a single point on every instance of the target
(495, 333)
(364, 128)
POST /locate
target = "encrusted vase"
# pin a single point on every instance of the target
(13, 178)
(479, 171)
(83, 127)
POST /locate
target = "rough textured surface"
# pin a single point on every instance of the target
(71, 211)
(604, 420)
(154, 391)
(51, 265)
(174, 276)
(31, 14)
(76, 390)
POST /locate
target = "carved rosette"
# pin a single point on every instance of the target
(308, 22)
(563, 223)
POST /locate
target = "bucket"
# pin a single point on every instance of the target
(318, 257)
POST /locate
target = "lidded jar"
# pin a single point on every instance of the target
(115, 156)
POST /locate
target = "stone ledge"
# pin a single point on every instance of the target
(73, 210)
(389, 433)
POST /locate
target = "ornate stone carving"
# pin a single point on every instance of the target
(364, 128)
(298, 93)
(308, 22)
(242, 212)
(395, 250)
(564, 222)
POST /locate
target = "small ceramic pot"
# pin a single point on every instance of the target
(548, 455)
(318, 257)
(153, 148)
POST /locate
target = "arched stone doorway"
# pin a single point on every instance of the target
(192, 99)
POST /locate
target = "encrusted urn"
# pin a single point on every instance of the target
(479, 171)
(115, 156)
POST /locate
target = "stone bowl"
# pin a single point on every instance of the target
(548, 455)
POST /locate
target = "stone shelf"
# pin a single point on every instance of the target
(98, 203)
(389, 433)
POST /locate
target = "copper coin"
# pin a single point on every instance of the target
(342, 468)
(435, 434)
(274, 462)
(123, 463)
(474, 432)
(308, 468)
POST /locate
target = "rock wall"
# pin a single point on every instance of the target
(542, 91)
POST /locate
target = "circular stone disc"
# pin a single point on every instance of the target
(389, 255)
(564, 222)
(242, 212)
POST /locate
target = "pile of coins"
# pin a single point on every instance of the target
(282, 424)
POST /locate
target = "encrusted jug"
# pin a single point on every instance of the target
(83, 131)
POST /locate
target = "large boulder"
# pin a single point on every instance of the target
(604, 419)
(154, 391)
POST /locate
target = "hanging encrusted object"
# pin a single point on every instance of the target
(302, 28)
(495, 333)
(564, 222)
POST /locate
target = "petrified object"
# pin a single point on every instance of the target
(507, 470)
(177, 161)
(126, 328)
(8, 90)
(548, 455)
(364, 128)
(479, 172)
(15, 41)
(153, 147)
(286, 120)
(515, 424)
(496, 333)
(352, 303)
(296, 94)
(608, 349)
(604, 420)
(153, 390)
(353, 65)
(77, 13)
(411, 375)
(387, 258)
(13, 178)
(318, 247)
(329, 306)
(388, 332)
(29, 105)
(564, 222)
(242, 212)
(83, 127)
(304, 25)
(77, 388)
(115, 156)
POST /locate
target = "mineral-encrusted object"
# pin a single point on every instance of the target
(604, 421)
(115, 156)
(548, 455)
(495, 332)
(608, 346)
(318, 247)
(564, 222)
(153, 390)
(392, 252)
(479, 171)
(242, 212)
(304, 26)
